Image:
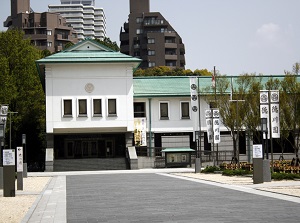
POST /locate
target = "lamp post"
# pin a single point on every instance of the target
(264, 130)
(266, 161)
(2, 134)
(24, 156)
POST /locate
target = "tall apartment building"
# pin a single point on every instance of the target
(46, 30)
(149, 36)
(87, 20)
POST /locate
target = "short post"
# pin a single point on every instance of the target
(258, 164)
(9, 189)
(19, 168)
(2, 134)
(25, 156)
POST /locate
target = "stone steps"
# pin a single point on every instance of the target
(90, 164)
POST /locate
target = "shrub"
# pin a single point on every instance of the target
(236, 172)
(210, 169)
(285, 176)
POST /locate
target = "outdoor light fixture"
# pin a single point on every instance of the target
(264, 129)
(264, 125)
(1, 130)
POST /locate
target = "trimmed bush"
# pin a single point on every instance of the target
(210, 169)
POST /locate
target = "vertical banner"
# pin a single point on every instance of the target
(216, 126)
(264, 106)
(275, 123)
(209, 125)
(140, 135)
(194, 104)
(19, 159)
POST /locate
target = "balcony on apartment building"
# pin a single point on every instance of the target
(155, 22)
(63, 37)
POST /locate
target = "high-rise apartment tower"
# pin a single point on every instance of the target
(87, 20)
(46, 30)
(149, 36)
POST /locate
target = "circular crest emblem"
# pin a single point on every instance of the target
(89, 87)
(264, 98)
(193, 86)
(194, 108)
(194, 97)
(275, 97)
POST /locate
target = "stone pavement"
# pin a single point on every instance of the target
(154, 195)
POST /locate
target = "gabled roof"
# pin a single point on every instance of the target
(89, 51)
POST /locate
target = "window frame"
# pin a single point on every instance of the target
(181, 111)
(93, 107)
(142, 114)
(116, 108)
(63, 107)
(79, 114)
(168, 110)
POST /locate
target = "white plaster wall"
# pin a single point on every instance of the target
(174, 123)
(68, 81)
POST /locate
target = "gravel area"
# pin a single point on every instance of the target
(14, 209)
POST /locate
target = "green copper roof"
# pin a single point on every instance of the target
(173, 86)
(169, 150)
(89, 51)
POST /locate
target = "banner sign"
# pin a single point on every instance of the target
(275, 123)
(216, 126)
(140, 135)
(194, 104)
(264, 107)
(19, 159)
(209, 125)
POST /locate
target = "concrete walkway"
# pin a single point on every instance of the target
(154, 195)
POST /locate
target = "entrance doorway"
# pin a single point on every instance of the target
(91, 148)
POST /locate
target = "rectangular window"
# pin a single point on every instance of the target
(67, 103)
(151, 52)
(112, 107)
(82, 107)
(164, 110)
(139, 20)
(139, 110)
(151, 40)
(151, 64)
(139, 31)
(185, 110)
(97, 107)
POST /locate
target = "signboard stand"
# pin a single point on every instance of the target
(258, 164)
(9, 189)
(19, 168)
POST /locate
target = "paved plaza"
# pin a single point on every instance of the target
(156, 196)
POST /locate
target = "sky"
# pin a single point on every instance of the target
(235, 36)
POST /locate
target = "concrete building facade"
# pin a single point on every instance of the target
(46, 30)
(87, 20)
(150, 37)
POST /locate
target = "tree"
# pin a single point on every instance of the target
(23, 90)
(290, 109)
(110, 44)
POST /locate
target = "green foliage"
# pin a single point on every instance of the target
(69, 44)
(110, 44)
(22, 89)
(210, 169)
(236, 172)
(284, 176)
(168, 71)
